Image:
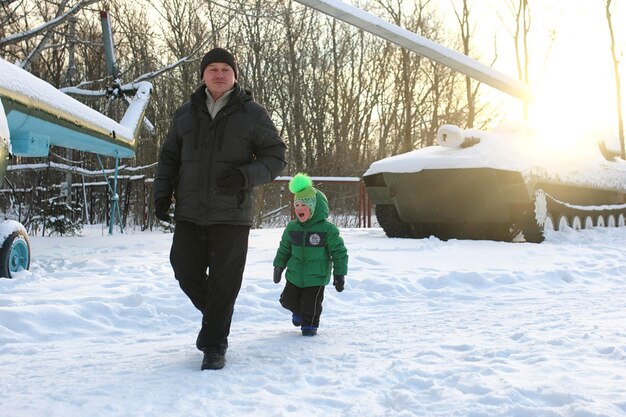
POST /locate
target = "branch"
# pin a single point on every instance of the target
(18, 37)
(75, 170)
(78, 90)
(44, 41)
(162, 70)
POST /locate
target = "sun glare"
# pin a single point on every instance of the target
(574, 102)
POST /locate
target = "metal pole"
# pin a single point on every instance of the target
(115, 201)
(113, 192)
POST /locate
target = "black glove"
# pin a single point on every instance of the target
(339, 281)
(278, 271)
(161, 209)
(230, 181)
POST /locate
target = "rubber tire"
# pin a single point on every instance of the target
(14, 254)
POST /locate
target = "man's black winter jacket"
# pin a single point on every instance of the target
(198, 148)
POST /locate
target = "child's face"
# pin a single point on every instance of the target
(303, 212)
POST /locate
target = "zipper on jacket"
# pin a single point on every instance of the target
(221, 120)
(197, 135)
(303, 256)
(219, 132)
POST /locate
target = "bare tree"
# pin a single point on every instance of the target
(520, 11)
(355, 87)
(423, 93)
(298, 141)
(48, 25)
(471, 87)
(409, 67)
(618, 84)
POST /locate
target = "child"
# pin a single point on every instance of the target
(309, 248)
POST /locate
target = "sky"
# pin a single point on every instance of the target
(574, 81)
(571, 70)
(99, 327)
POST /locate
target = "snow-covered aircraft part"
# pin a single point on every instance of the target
(40, 116)
(5, 140)
(423, 46)
(4, 127)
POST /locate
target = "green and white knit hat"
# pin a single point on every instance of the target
(301, 185)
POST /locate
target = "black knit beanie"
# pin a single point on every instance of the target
(218, 55)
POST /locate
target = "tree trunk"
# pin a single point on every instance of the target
(618, 88)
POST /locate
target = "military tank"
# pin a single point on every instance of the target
(507, 184)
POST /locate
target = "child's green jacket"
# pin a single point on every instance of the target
(312, 250)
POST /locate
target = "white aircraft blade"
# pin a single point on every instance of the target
(421, 45)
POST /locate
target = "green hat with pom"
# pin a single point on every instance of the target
(301, 185)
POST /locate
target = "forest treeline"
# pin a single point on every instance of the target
(340, 97)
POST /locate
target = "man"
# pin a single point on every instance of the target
(220, 145)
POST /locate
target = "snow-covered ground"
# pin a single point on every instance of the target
(99, 327)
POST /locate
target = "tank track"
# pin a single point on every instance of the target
(391, 223)
(553, 214)
(549, 214)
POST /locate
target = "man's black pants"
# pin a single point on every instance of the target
(221, 249)
(305, 302)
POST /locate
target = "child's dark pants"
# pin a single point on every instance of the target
(305, 302)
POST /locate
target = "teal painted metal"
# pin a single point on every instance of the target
(115, 202)
(39, 115)
(33, 133)
(19, 257)
(115, 207)
(109, 46)
(34, 115)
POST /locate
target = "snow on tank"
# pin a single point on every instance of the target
(499, 184)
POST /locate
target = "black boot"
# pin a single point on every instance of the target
(213, 360)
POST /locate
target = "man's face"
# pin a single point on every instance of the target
(303, 212)
(219, 78)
